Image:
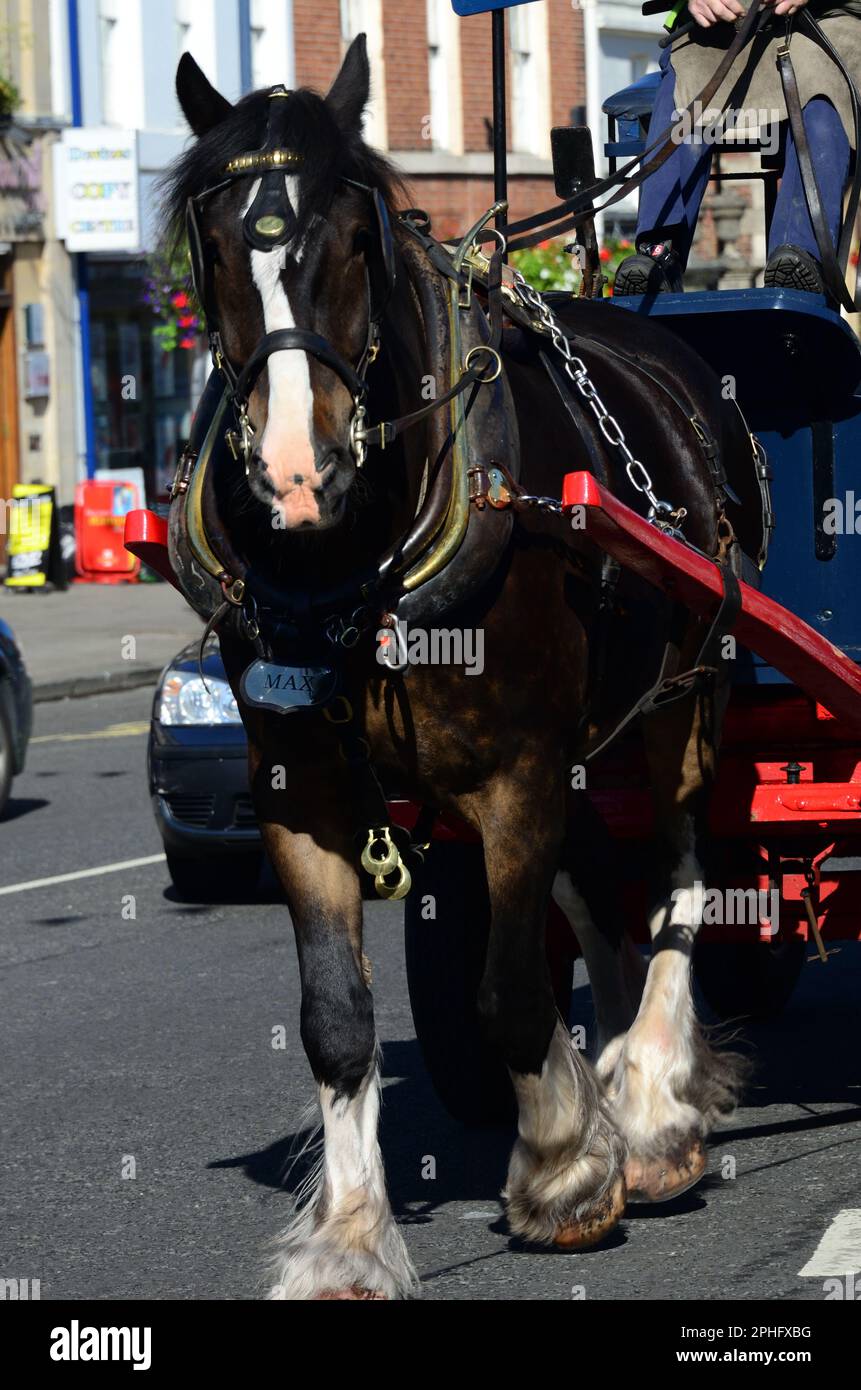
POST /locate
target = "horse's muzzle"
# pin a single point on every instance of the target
(303, 500)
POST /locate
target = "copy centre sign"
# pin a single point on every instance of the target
(98, 203)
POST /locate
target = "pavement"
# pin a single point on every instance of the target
(148, 1119)
(98, 637)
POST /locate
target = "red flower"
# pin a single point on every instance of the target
(605, 253)
(188, 343)
(188, 321)
(181, 300)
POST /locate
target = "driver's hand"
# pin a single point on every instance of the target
(709, 12)
(785, 6)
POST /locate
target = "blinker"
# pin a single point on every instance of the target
(271, 220)
(270, 226)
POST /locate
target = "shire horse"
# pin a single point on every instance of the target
(299, 510)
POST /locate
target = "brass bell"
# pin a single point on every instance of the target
(394, 892)
(381, 855)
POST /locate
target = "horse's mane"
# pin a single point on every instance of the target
(310, 128)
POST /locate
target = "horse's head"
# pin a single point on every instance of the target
(286, 242)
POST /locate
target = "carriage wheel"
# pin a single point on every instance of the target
(748, 979)
(445, 961)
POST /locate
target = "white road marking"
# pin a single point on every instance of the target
(82, 873)
(839, 1251)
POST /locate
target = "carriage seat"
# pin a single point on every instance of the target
(629, 111)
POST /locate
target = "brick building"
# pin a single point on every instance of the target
(432, 95)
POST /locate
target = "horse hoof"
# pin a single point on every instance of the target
(596, 1224)
(662, 1179)
(354, 1295)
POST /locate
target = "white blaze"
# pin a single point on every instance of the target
(287, 445)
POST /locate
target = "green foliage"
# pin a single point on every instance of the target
(10, 97)
(549, 267)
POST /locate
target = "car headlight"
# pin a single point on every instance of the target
(186, 699)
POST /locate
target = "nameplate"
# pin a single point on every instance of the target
(283, 689)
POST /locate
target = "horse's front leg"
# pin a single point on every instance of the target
(667, 1086)
(342, 1242)
(565, 1181)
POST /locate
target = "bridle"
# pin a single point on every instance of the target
(269, 224)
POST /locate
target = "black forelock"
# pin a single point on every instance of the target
(308, 126)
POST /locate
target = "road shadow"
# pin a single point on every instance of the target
(809, 1057)
(16, 808)
(418, 1138)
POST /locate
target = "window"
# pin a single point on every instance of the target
(438, 71)
(271, 43)
(366, 17)
(109, 59)
(196, 33)
(258, 44)
(183, 29)
(530, 79)
(353, 20)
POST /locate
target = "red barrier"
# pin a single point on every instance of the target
(763, 626)
(146, 538)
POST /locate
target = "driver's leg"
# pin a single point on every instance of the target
(793, 255)
(670, 201)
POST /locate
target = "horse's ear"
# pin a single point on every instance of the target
(351, 90)
(203, 107)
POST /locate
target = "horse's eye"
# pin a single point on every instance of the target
(361, 241)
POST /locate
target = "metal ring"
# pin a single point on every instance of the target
(344, 708)
(494, 231)
(483, 347)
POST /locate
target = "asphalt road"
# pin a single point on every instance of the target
(150, 1040)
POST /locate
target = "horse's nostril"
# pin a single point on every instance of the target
(260, 471)
(299, 479)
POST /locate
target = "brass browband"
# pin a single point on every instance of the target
(263, 159)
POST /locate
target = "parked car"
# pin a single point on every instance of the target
(16, 712)
(198, 780)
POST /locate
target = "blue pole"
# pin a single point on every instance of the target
(82, 267)
(245, 60)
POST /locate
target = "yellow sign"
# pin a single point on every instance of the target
(31, 520)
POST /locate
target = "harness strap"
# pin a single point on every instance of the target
(833, 262)
(481, 374)
(847, 233)
(285, 339)
(668, 689)
(707, 444)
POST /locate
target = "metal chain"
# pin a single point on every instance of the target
(661, 512)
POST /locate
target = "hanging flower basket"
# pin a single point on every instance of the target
(169, 294)
(10, 99)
